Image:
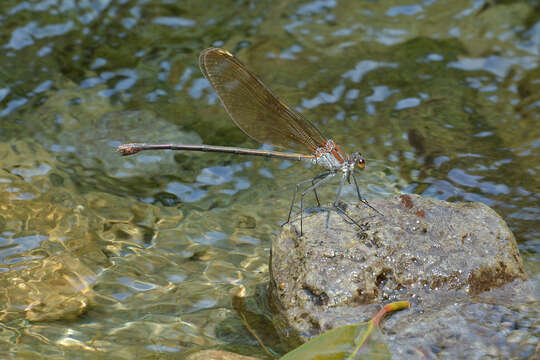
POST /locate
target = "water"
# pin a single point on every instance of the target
(139, 257)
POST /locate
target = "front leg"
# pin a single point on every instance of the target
(361, 198)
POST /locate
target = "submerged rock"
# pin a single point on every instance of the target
(218, 355)
(443, 257)
(57, 288)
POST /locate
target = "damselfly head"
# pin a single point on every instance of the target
(358, 160)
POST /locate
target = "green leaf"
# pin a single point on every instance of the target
(359, 341)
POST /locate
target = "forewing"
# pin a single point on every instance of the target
(254, 108)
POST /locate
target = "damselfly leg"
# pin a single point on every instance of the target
(361, 198)
(329, 175)
(316, 182)
(313, 180)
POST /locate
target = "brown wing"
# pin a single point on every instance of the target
(254, 108)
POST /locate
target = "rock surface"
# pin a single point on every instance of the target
(440, 256)
(218, 355)
(56, 288)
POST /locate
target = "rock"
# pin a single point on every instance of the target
(57, 288)
(436, 254)
(218, 355)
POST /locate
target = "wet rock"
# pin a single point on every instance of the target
(54, 245)
(218, 355)
(57, 288)
(443, 257)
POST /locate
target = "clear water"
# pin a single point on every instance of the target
(141, 257)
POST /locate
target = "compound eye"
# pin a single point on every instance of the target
(358, 160)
